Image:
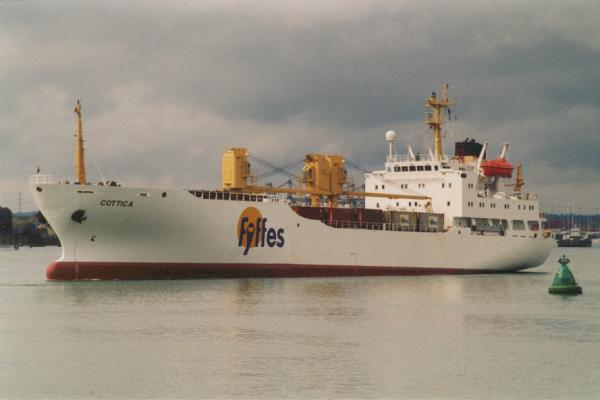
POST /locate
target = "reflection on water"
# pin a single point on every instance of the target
(372, 337)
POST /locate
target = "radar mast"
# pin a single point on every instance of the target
(434, 120)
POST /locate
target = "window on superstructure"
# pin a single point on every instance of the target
(518, 225)
(377, 205)
(435, 167)
(419, 168)
(382, 187)
(412, 168)
(448, 204)
(449, 185)
(376, 187)
(404, 169)
(428, 168)
(410, 203)
(443, 185)
(533, 225)
(396, 169)
(397, 204)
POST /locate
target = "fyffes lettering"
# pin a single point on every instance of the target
(253, 231)
(116, 203)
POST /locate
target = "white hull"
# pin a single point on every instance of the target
(180, 235)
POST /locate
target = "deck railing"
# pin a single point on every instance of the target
(40, 179)
(381, 226)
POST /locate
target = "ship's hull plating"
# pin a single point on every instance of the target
(132, 233)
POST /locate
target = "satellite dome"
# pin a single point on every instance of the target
(390, 136)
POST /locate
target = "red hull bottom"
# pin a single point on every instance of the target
(84, 270)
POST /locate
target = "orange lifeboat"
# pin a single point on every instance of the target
(498, 167)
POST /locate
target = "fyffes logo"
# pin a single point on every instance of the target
(253, 231)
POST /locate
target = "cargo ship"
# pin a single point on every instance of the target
(427, 213)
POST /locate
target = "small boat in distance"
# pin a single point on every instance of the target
(574, 238)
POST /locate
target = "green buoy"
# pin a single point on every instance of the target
(564, 281)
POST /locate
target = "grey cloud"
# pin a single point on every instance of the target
(166, 88)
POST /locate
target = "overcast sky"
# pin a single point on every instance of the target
(166, 86)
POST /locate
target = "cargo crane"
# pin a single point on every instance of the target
(324, 175)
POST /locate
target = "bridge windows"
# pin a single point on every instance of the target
(428, 168)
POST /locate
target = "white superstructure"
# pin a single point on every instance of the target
(458, 189)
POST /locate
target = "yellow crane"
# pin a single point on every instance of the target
(324, 175)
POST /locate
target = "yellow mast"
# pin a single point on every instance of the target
(79, 159)
(434, 120)
(519, 181)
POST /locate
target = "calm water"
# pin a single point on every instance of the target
(478, 336)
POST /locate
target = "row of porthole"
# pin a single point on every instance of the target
(493, 205)
(164, 194)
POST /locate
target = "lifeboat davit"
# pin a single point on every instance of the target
(498, 167)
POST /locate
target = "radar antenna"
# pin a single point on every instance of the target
(434, 120)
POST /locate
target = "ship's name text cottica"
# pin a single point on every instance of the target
(116, 203)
